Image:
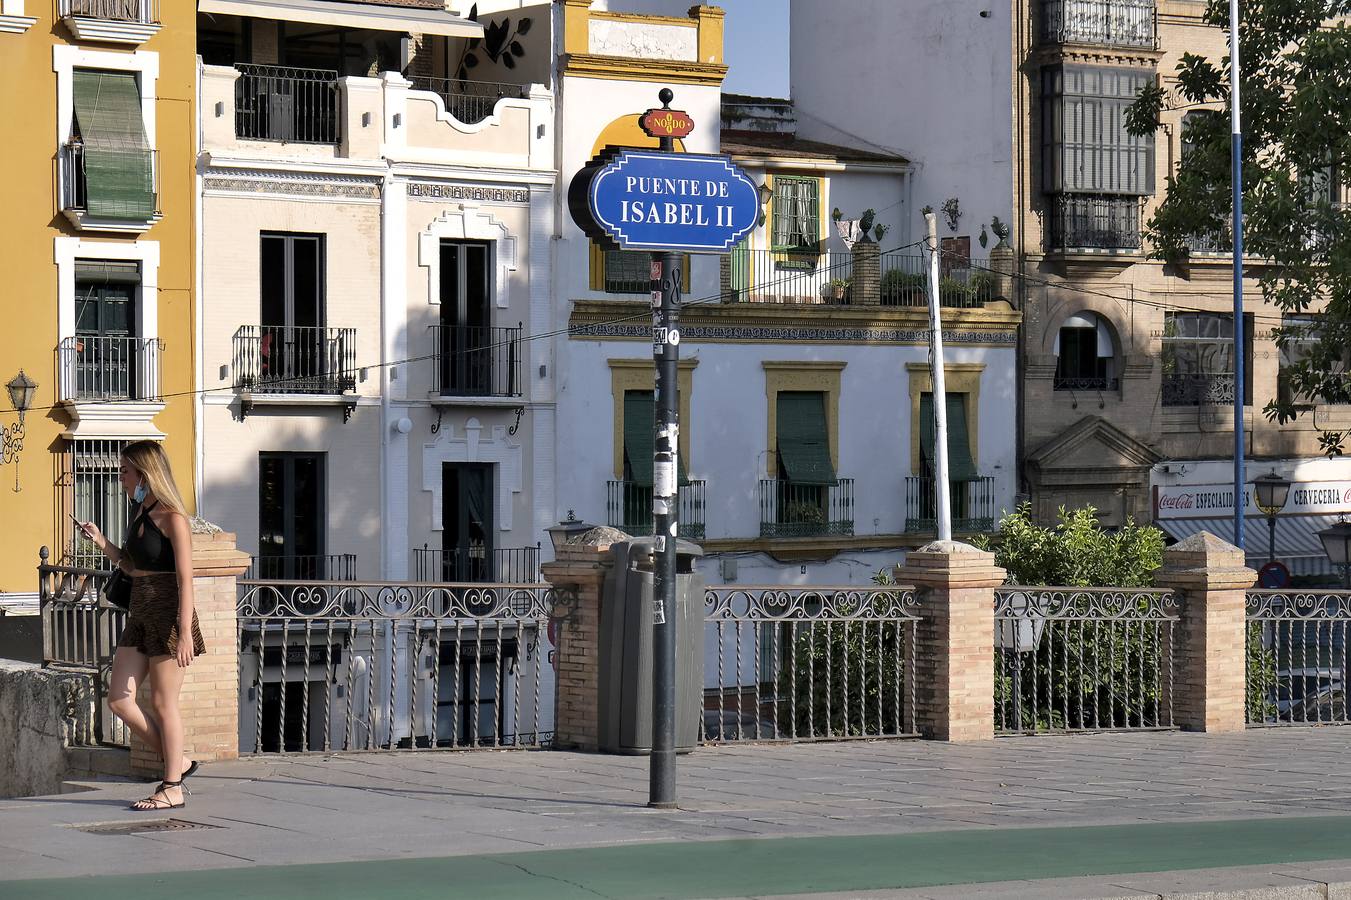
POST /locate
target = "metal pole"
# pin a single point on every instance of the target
(1236, 165)
(942, 495)
(1271, 539)
(665, 519)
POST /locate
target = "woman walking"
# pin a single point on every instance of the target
(157, 554)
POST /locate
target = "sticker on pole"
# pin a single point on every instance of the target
(663, 478)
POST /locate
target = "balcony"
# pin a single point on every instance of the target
(111, 21)
(1198, 389)
(473, 361)
(281, 103)
(469, 101)
(283, 364)
(628, 507)
(1102, 23)
(1094, 222)
(330, 567)
(104, 189)
(1070, 383)
(973, 506)
(789, 510)
(109, 369)
(503, 565)
(825, 278)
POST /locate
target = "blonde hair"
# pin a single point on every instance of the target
(152, 463)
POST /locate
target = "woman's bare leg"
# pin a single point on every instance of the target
(166, 681)
(129, 670)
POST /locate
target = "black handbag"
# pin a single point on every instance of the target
(117, 590)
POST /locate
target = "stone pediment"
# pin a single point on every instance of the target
(1092, 444)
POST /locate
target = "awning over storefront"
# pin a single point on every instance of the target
(372, 17)
(1297, 543)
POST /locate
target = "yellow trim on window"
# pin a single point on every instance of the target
(640, 375)
(796, 375)
(958, 378)
(782, 256)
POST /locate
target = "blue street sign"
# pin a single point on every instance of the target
(651, 200)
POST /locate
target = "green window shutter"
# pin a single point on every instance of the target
(103, 271)
(638, 418)
(803, 438)
(118, 163)
(961, 465)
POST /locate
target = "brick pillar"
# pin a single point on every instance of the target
(1001, 261)
(954, 656)
(725, 278)
(865, 282)
(1209, 674)
(578, 574)
(210, 697)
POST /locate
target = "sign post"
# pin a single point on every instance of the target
(666, 203)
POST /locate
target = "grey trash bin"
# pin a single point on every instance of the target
(625, 663)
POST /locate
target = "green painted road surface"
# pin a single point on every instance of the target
(755, 867)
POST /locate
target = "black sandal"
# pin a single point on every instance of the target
(191, 770)
(156, 803)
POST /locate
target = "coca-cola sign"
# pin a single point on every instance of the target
(1208, 501)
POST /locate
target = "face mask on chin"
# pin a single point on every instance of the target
(138, 495)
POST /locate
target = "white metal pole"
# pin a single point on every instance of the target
(942, 490)
(1236, 164)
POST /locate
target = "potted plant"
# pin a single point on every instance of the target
(836, 289)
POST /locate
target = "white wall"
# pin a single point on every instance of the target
(928, 79)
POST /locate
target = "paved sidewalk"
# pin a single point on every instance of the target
(886, 815)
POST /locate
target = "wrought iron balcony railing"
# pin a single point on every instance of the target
(1068, 383)
(329, 567)
(275, 359)
(1094, 222)
(963, 283)
(142, 12)
(107, 183)
(1105, 23)
(283, 103)
(628, 507)
(469, 101)
(476, 361)
(973, 507)
(96, 368)
(788, 509)
(1198, 389)
(502, 565)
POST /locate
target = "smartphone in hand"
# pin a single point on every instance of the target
(79, 525)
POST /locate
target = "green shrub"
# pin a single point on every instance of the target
(982, 286)
(901, 288)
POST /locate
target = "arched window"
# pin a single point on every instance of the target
(1085, 355)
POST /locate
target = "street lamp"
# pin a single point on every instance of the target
(1337, 545)
(21, 391)
(566, 530)
(1272, 491)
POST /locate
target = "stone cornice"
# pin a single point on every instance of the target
(772, 323)
(623, 68)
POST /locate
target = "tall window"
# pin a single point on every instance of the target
(467, 526)
(293, 346)
(1302, 336)
(1084, 355)
(110, 160)
(92, 492)
(1096, 171)
(805, 469)
(796, 226)
(466, 338)
(104, 352)
(1199, 360)
(291, 515)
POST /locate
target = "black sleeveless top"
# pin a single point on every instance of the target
(151, 551)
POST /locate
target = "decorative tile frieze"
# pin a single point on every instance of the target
(436, 190)
(295, 184)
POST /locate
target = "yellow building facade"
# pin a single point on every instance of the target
(98, 242)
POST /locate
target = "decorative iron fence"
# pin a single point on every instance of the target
(1297, 658)
(804, 664)
(283, 103)
(1067, 383)
(1083, 659)
(94, 367)
(1108, 23)
(790, 509)
(79, 636)
(973, 505)
(110, 183)
(144, 12)
(275, 359)
(329, 567)
(1093, 222)
(476, 361)
(512, 565)
(963, 283)
(628, 507)
(1198, 389)
(329, 666)
(469, 101)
